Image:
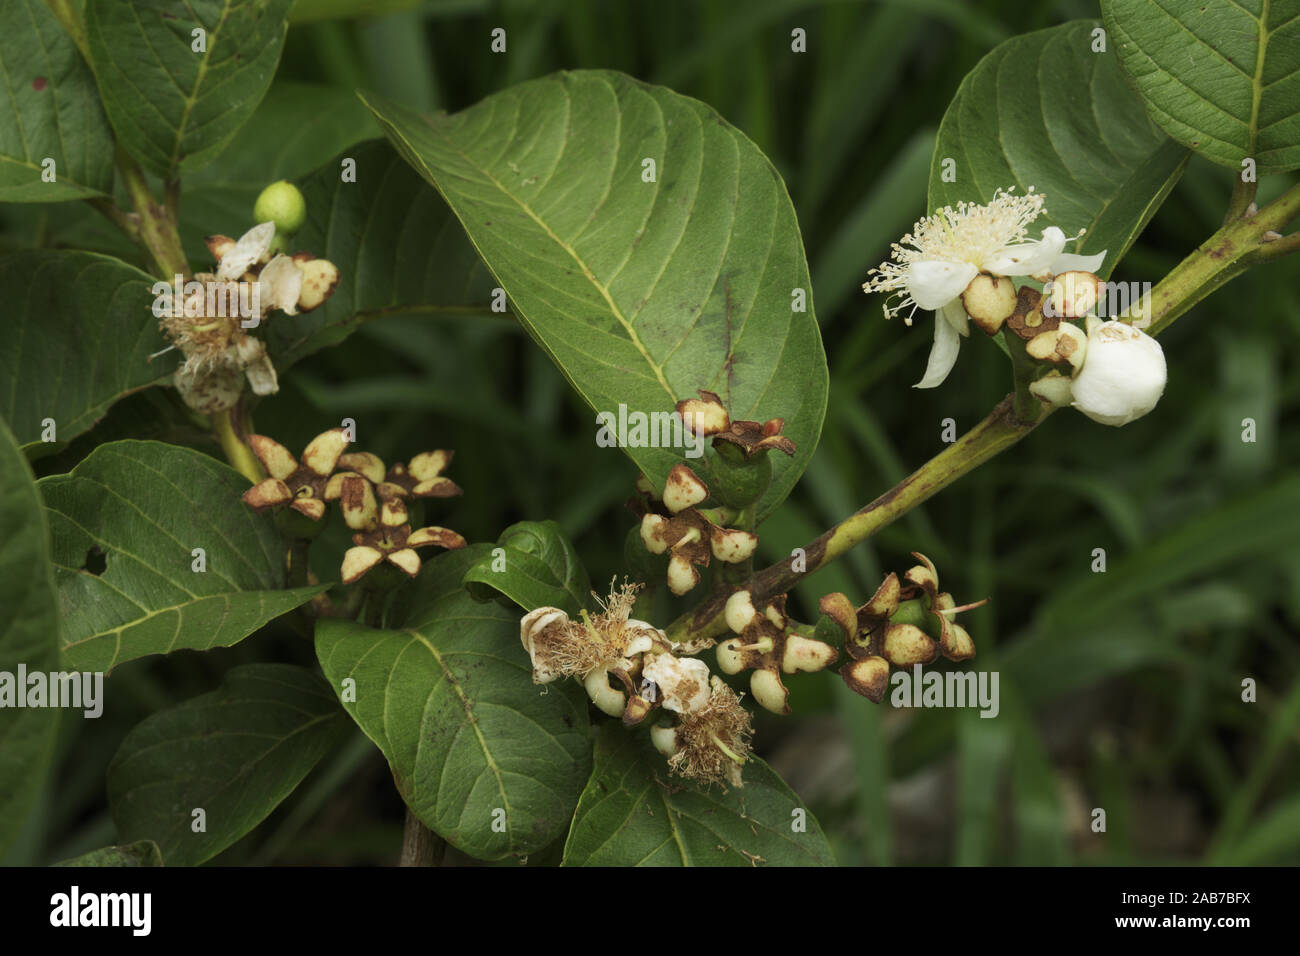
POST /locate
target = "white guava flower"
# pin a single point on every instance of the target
(933, 264)
(1123, 374)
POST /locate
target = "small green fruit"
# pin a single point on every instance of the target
(282, 204)
(739, 481)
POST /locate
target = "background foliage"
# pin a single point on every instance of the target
(1118, 690)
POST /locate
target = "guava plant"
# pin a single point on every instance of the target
(651, 251)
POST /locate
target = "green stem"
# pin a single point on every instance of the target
(157, 226)
(1028, 408)
(1239, 244)
(237, 453)
(298, 548)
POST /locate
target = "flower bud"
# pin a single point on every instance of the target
(1071, 295)
(731, 660)
(907, 644)
(664, 738)
(652, 533)
(1053, 388)
(609, 700)
(868, 677)
(683, 490)
(319, 277)
(731, 546)
(1123, 374)
(739, 611)
(805, 654)
(989, 300)
(768, 690)
(283, 204)
(682, 575)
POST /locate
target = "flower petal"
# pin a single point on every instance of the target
(277, 460)
(934, 284)
(407, 560)
(1028, 258)
(429, 464)
(1072, 262)
(442, 537)
(357, 502)
(322, 453)
(357, 561)
(943, 354)
(267, 494)
(363, 462)
(278, 285)
(313, 508)
(250, 247)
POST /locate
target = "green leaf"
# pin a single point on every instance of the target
(538, 568)
(1220, 76)
(142, 507)
(1043, 110)
(29, 635)
(641, 292)
(140, 853)
(80, 332)
(470, 739)
(634, 814)
(54, 111)
(397, 245)
(296, 125)
(172, 106)
(234, 753)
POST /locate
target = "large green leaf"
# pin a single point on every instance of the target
(1043, 110)
(397, 245)
(487, 759)
(634, 814)
(1221, 76)
(140, 853)
(642, 292)
(124, 526)
(29, 635)
(174, 107)
(80, 332)
(53, 111)
(534, 565)
(234, 754)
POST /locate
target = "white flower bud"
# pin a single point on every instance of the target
(1123, 374)
(739, 611)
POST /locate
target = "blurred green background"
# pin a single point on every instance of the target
(1119, 691)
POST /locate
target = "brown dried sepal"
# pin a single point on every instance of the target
(1028, 320)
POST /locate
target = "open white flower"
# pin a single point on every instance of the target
(933, 264)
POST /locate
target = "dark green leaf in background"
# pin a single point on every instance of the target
(140, 853)
(29, 635)
(1220, 76)
(1043, 110)
(173, 107)
(79, 333)
(538, 568)
(141, 507)
(642, 292)
(234, 753)
(471, 740)
(634, 814)
(397, 245)
(50, 110)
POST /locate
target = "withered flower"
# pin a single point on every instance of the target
(689, 534)
(300, 485)
(878, 635)
(390, 539)
(768, 647)
(710, 741)
(708, 417)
